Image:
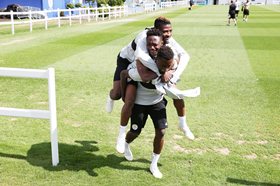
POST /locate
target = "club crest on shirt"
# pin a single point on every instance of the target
(134, 126)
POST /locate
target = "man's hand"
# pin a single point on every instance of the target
(167, 76)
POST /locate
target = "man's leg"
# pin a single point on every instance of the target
(130, 136)
(115, 94)
(158, 144)
(125, 115)
(138, 120)
(158, 115)
(180, 108)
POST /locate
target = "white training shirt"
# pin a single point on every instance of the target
(128, 52)
(145, 96)
(142, 54)
(237, 3)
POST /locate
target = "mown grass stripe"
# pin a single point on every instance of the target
(263, 46)
(54, 51)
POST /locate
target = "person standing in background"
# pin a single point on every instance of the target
(231, 13)
(191, 4)
(237, 4)
(246, 11)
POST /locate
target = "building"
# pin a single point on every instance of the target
(42, 4)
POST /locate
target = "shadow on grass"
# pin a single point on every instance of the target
(246, 182)
(74, 158)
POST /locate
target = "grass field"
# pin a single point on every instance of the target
(235, 120)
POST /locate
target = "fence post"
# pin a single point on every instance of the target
(103, 14)
(109, 12)
(46, 20)
(53, 117)
(34, 113)
(88, 14)
(58, 17)
(70, 14)
(96, 14)
(80, 15)
(12, 22)
(30, 20)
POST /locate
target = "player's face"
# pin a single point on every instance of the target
(164, 65)
(153, 44)
(167, 32)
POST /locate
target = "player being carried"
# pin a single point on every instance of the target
(137, 50)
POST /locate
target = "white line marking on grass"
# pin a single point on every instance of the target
(16, 41)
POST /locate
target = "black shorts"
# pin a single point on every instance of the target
(140, 115)
(232, 14)
(236, 12)
(246, 11)
(122, 64)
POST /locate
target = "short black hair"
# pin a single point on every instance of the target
(154, 32)
(165, 52)
(161, 21)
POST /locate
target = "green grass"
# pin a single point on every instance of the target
(235, 120)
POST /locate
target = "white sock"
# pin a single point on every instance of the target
(109, 97)
(126, 145)
(122, 129)
(182, 121)
(155, 158)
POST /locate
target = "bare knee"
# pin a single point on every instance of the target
(115, 94)
(160, 133)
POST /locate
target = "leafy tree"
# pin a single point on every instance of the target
(78, 5)
(115, 2)
(70, 5)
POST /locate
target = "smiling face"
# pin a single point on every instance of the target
(153, 44)
(167, 32)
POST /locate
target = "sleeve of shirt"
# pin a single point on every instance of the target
(133, 72)
(134, 75)
(183, 60)
(142, 54)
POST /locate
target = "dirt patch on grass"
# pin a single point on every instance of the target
(251, 156)
(199, 151)
(240, 142)
(178, 148)
(223, 151)
(42, 103)
(277, 156)
(263, 142)
(176, 137)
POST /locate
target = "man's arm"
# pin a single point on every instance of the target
(144, 72)
(183, 60)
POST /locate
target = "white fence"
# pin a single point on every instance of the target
(41, 114)
(59, 15)
(173, 3)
